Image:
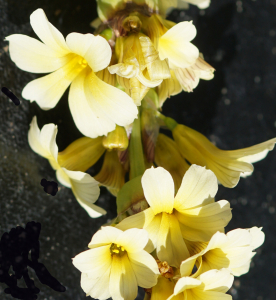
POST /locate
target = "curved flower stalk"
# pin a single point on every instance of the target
(191, 215)
(233, 250)
(96, 106)
(84, 187)
(116, 264)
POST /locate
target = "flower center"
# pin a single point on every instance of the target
(83, 62)
(164, 269)
(116, 249)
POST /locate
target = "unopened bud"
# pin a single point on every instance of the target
(81, 154)
(168, 157)
(112, 173)
(132, 24)
(116, 139)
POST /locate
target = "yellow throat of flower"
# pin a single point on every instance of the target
(82, 62)
(118, 250)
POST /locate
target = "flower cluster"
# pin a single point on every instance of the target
(175, 249)
(169, 236)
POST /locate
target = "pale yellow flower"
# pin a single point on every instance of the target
(227, 165)
(84, 187)
(192, 214)
(233, 250)
(116, 264)
(139, 67)
(207, 286)
(176, 47)
(96, 106)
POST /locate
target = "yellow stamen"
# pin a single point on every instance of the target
(83, 62)
(116, 249)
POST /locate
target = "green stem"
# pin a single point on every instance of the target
(136, 155)
(170, 123)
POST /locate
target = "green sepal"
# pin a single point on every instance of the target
(130, 195)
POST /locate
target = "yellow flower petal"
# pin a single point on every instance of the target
(123, 283)
(163, 289)
(187, 266)
(81, 154)
(199, 224)
(233, 251)
(47, 32)
(145, 268)
(90, 121)
(198, 184)
(133, 240)
(158, 188)
(175, 45)
(33, 56)
(168, 87)
(106, 235)
(94, 261)
(140, 220)
(113, 102)
(189, 77)
(217, 280)
(112, 173)
(125, 70)
(43, 142)
(94, 49)
(228, 166)
(209, 295)
(147, 220)
(47, 90)
(170, 245)
(258, 237)
(86, 190)
(63, 178)
(186, 283)
(96, 288)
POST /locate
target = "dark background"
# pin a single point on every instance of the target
(235, 110)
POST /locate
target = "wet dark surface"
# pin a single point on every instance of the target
(235, 110)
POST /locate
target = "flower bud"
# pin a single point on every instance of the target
(132, 24)
(112, 173)
(168, 157)
(116, 139)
